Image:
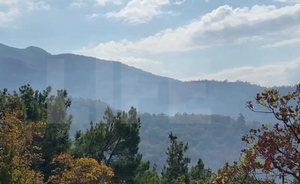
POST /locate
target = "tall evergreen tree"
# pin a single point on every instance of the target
(199, 174)
(177, 164)
(56, 139)
(34, 103)
(145, 175)
(114, 141)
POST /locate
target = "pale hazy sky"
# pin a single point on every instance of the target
(255, 41)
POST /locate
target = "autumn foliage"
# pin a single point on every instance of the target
(276, 151)
(272, 152)
(17, 149)
(81, 170)
(21, 152)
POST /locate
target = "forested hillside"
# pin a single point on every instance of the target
(36, 146)
(205, 133)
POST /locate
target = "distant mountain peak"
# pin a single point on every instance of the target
(34, 49)
(23, 52)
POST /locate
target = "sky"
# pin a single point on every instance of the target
(254, 41)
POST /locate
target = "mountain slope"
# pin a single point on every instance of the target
(122, 86)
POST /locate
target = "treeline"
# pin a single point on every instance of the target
(206, 134)
(214, 138)
(36, 148)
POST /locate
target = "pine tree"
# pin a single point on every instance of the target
(145, 175)
(56, 139)
(113, 141)
(199, 174)
(176, 169)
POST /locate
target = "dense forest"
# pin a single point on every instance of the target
(221, 132)
(36, 145)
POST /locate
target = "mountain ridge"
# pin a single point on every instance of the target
(123, 86)
(36, 48)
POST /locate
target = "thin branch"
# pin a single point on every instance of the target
(265, 112)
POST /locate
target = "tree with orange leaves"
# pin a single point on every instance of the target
(80, 170)
(17, 152)
(21, 148)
